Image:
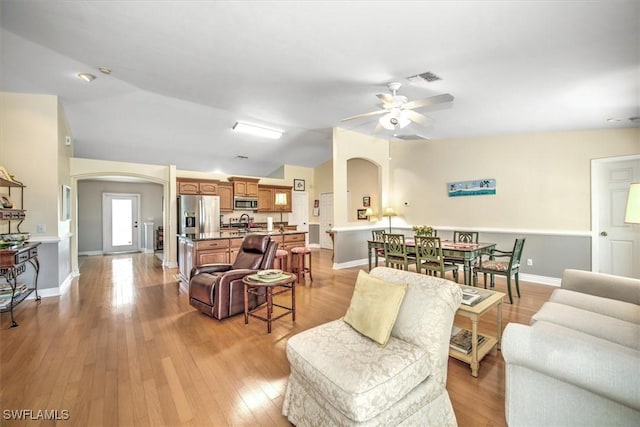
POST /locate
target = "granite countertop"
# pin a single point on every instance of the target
(232, 234)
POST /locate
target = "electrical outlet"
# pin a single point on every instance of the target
(529, 262)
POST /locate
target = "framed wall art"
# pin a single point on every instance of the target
(476, 187)
(366, 201)
(298, 184)
(362, 214)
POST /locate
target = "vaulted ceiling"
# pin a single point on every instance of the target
(183, 72)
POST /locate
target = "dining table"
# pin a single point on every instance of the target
(466, 252)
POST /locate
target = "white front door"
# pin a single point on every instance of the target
(616, 245)
(326, 220)
(120, 222)
(300, 212)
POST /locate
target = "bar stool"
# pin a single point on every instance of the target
(298, 267)
(282, 260)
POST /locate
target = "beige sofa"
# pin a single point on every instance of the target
(578, 363)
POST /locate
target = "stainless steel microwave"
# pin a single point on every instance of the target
(245, 203)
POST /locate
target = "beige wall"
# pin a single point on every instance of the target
(542, 180)
(362, 180)
(349, 145)
(29, 147)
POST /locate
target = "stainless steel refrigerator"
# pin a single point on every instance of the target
(198, 214)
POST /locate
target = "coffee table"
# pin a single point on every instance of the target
(491, 299)
(269, 289)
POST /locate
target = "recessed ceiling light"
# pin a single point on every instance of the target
(613, 119)
(241, 157)
(104, 70)
(256, 130)
(86, 77)
(634, 119)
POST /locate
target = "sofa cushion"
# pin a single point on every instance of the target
(609, 307)
(358, 376)
(374, 307)
(598, 325)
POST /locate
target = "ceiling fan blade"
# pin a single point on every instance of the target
(432, 100)
(417, 118)
(359, 116)
(378, 128)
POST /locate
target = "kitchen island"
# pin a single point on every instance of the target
(222, 247)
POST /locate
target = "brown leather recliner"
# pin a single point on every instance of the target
(217, 289)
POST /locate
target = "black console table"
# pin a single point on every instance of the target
(13, 262)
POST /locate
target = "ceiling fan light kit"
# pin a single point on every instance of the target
(398, 112)
(255, 130)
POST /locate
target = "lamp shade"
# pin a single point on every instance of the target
(632, 215)
(389, 212)
(281, 199)
(368, 212)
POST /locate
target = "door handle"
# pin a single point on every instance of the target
(604, 233)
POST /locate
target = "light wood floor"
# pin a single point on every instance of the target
(123, 347)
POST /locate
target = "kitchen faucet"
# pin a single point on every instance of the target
(243, 217)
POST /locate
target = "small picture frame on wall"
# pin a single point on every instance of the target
(298, 184)
(362, 214)
(366, 201)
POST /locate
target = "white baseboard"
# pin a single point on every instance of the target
(543, 280)
(55, 291)
(90, 253)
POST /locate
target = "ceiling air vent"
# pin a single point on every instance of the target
(427, 77)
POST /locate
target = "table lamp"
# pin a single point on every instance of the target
(389, 212)
(632, 215)
(281, 201)
(369, 213)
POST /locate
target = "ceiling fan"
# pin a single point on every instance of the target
(398, 110)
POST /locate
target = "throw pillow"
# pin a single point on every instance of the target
(374, 307)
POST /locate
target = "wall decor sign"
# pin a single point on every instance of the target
(298, 184)
(476, 187)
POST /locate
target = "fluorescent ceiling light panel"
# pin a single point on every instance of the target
(256, 130)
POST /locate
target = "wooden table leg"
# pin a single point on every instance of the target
(475, 365)
(269, 307)
(246, 303)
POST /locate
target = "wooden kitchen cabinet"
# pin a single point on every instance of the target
(212, 251)
(234, 248)
(193, 186)
(225, 191)
(267, 197)
(244, 187)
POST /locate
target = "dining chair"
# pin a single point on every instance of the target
(463, 237)
(378, 236)
(429, 256)
(508, 268)
(395, 252)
